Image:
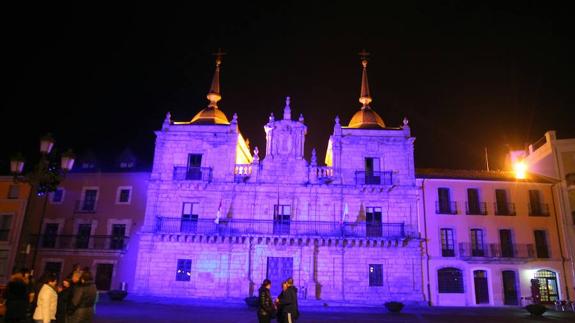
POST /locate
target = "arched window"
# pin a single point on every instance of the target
(450, 280)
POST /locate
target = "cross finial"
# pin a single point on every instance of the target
(363, 55)
(219, 54)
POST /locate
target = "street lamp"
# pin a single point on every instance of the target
(43, 178)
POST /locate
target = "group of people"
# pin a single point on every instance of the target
(285, 307)
(45, 301)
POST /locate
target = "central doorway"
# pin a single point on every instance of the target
(279, 269)
(481, 287)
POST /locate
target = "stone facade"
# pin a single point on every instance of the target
(345, 231)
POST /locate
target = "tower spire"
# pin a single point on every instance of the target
(364, 98)
(214, 95)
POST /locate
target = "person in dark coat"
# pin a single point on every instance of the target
(288, 303)
(64, 298)
(84, 299)
(266, 308)
(17, 299)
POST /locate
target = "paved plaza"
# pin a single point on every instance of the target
(147, 309)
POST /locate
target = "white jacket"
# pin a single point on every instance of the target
(47, 304)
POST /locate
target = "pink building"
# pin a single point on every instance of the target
(490, 239)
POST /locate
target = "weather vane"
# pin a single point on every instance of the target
(363, 54)
(219, 54)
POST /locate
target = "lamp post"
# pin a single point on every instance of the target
(43, 178)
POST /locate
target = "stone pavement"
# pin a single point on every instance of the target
(171, 310)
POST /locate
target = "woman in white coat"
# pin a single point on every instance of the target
(47, 300)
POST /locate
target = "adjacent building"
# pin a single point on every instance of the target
(220, 218)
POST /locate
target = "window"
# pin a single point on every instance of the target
(189, 220)
(194, 171)
(282, 218)
(536, 207)
(124, 195)
(83, 236)
(450, 280)
(447, 243)
(5, 223)
(477, 249)
(373, 225)
(372, 175)
(13, 191)
(541, 244)
(184, 271)
(375, 275)
(126, 164)
(88, 203)
(50, 235)
(506, 240)
(444, 204)
(118, 236)
(58, 196)
(502, 207)
(474, 206)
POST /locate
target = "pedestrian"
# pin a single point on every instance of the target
(47, 302)
(84, 299)
(64, 298)
(266, 309)
(16, 296)
(288, 303)
(279, 307)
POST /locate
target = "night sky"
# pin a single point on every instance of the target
(468, 75)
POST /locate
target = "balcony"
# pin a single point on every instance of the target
(495, 251)
(538, 209)
(374, 178)
(242, 172)
(78, 242)
(476, 208)
(504, 208)
(321, 173)
(445, 207)
(85, 206)
(183, 173)
(246, 227)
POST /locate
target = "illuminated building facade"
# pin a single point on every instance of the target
(488, 235)
(219, 219)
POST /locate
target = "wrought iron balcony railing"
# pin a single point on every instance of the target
(504, 208)
(183, 173)
(79, 242)
(496, 250)
(538, 209)
(240, 227)
(374, 178)
(85, 206)
(445, 207)
(476, 208)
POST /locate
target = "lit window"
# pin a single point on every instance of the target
(376, 275)
(184, 270)
(58, 195)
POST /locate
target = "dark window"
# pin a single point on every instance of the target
(194, 167)
(13, 191)
(376, 275)
(103, 277)
(373, 225)
(506, 243)
(118, 236)
(447, 243)
(89, 201)
(481, 287)
(509, 287)
(372, 174)
(184, 271)
(502, 207)
(58, 195)
(83, 236)
(282, 218)
(473, 204)
(541, 244)
(444, 201)
(5, 224)
(536, 206)
(189, 222)
(477, 249)
(450, 280)
(50, 235)
(124, 195)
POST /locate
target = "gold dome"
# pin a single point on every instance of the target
(366, 118)
(210, 115)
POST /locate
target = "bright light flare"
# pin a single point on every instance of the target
(520, 169)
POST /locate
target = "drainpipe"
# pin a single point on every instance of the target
(563, 260)
(426, 242)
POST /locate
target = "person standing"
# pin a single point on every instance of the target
(288, 303)
(64, 298)
(266, 307)
(17, 299)
(47, 303)
(84, 299)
